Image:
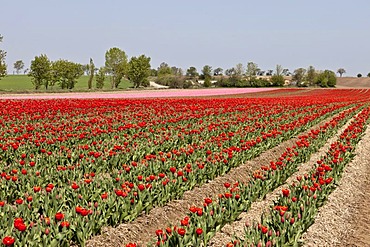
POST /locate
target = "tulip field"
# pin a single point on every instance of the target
(70, 167)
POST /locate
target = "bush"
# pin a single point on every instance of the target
(326, 79)
(187, 84)
(207, 82)
(359, 75)
(171, 80)
(277, 80)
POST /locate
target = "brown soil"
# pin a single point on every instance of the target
(345, 219)
(142, 230)
(353, 82)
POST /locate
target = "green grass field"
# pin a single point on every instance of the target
(21, 83)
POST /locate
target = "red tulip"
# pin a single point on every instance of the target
(285, 192)
(199, 231)
(141, 187)
(75, 186)
(59, 216)
(19, 201)
(8, 241)
(64, 224)
(208, 201)
(181, 231)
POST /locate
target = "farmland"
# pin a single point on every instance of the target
(175, 171)
(23, 83)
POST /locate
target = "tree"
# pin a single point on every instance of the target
(18, 66)
(218, 71)
(176, 71)
(192, 72)
(286, 72)
(230, 72)
(139, 70)
(65, 73)
(299, 76)
(269, 72)
(164, 69)
(326, 79)
(115, 65)
(279, 70)
(278, 79)
(2, 60)
(239, 70)
(359, 75)
(251, 72)
(207, 71)
(91, 73)
(310, 76)
(341, 71)
(153, 72)
(368, 75)
(100, 78)
(40, 71)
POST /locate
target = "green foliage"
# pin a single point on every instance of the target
(207, 81)
(368, 75)
(218, 71)
(326, 79)
(91, 68)
(100, 78)
(40, 71)
(153, 72)
(187, 84)
(139, 70)
(277, 80)
(176, 71)
(2, 61)
(359, 75)
(206, 72)
(172, 81)
(18, 66)
(236, 81)
(192, 72)
(65, 73)
(299, 76)
(252, 69)
(116, 65)
(164, 69)
(310, 75)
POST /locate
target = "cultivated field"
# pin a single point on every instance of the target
(213, 167)
(23, 83)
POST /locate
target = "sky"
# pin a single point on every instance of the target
(328, 34)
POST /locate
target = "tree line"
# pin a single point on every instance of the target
(65, 74)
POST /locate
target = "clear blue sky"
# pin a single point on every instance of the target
(327, 34)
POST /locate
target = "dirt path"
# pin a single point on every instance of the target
(143, 228)
(262, 206)
(345, 219)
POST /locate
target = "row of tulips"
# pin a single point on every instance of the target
(202, 223)
(295, 210)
